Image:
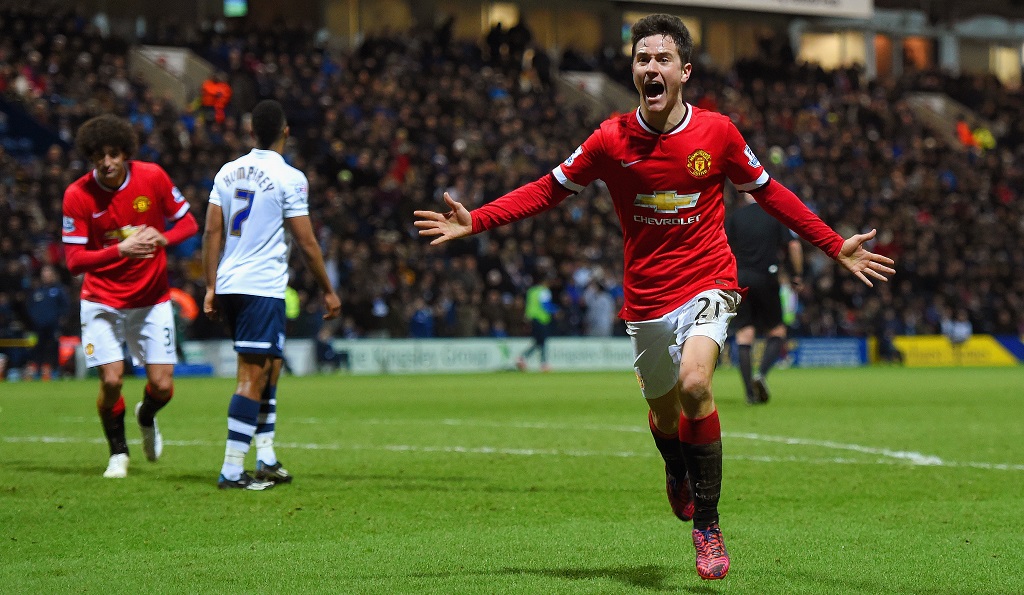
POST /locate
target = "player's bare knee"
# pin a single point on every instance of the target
(161, 386)
(695, 385)
(111, 383)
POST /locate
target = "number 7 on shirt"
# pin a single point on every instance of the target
(243, 214)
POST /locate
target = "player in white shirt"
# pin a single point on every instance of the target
(257, 192)
(245, 257)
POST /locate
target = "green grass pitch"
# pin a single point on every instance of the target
(874, 480)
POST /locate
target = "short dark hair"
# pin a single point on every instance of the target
(106, 130)
(665, 24)
(267, 122)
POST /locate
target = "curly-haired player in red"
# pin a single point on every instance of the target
(115, 231)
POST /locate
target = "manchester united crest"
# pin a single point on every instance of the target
(141, 203)
(699, 163)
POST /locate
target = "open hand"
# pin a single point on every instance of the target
(456, 223)
(862, 263)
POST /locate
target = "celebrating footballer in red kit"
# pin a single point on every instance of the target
(115, 231)
(665, 166)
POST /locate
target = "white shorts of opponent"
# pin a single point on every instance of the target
(658, 343)
(148, 332)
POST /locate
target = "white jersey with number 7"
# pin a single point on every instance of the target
(256, 193)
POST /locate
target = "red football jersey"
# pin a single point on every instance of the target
(667, 191)
(97, 217)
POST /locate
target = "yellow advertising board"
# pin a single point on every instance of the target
(936, 350)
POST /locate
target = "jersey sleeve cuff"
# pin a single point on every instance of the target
(564, 181)
(760, 181)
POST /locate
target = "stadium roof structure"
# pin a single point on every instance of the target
(951, 11)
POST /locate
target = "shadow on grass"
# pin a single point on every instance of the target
(844, 583)
(648, 577)
(318, 480)
(136, 470)
(407, 482)
(83, 470)
(202, 477)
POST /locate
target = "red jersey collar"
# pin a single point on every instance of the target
(677, 128)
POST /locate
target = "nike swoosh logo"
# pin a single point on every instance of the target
(100, 214)
(624, 164)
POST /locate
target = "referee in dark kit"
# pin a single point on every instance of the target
(756, 239)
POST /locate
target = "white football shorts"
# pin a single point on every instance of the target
(148, 332)
(658, 343)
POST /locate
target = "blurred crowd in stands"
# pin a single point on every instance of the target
(386, 128)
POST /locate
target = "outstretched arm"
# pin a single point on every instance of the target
(862, 263)
(525, 201)
(779, 202)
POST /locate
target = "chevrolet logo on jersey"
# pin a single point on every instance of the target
(666, 201)
(122, 233)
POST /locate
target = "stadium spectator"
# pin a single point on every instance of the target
(677, 305)
(114, 232)
(538, 311)
(497, 44)
(756, 238)
(421, 319)
(216, 96)
(964, 133)
(186, 310)
(256, 197)
(958, 329)
(599, 317)
(47, 307)
(887, 327)
(13, 353)
(327, 358)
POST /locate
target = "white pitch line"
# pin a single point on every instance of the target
(913, 457)
(488, 450)
(916, 458)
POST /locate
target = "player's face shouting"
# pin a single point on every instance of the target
(659, 72)
(109, 166)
